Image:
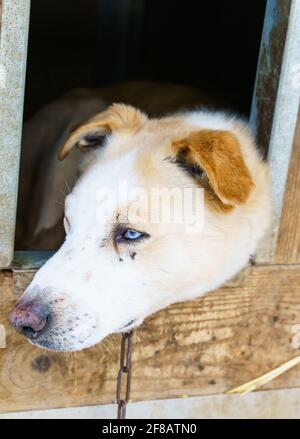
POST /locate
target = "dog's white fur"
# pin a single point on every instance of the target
(94, 289)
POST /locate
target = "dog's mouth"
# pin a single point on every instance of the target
(61, 344)
(131, 322)
(130, 325)
(127, 325)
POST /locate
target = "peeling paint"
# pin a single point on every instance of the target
(31, 259)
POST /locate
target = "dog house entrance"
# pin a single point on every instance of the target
(155, 55)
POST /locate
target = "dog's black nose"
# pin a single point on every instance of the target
(30, 318)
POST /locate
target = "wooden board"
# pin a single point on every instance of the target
(275, 103)
(193, 348)
(269, 69)
(288, 244)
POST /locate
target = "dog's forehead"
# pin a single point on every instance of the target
(129, 162)
(106, 182)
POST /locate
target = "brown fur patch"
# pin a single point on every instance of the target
(116, 117)
(218, 153)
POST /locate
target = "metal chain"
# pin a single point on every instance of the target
(124, 372)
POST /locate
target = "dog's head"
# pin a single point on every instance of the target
(136, 238)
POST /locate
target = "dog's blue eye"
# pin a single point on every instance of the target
(122, 234)
(132, 234)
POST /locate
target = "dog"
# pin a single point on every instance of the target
(117, 265)
(44, 181)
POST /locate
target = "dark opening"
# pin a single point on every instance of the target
(174, 55)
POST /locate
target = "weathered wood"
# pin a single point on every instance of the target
(276, 101)
(282, 404)
(268, 70)
(288, 245)
(193, 348)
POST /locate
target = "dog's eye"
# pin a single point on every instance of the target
(66, 225)
(132, 235)
(122, 234)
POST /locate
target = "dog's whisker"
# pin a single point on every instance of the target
(68, 188)
(58, 202)
(64, 194)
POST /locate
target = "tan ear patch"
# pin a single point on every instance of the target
(116, 117)
(219, 154)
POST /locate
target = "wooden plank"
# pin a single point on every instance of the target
(193, 348)
(273, 404)
(269, 69)
(288, 245)
(276, 83)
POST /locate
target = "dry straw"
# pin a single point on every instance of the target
(264, 379)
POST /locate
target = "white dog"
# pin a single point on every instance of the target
(118, 264)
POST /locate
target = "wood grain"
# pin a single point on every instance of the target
(193, 348)
(288, 244)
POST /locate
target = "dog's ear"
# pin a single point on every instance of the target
(91, 133)
(218, 154)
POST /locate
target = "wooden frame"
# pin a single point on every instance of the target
(276, 101)
(193, 348)
(13, 55)
(273, 121)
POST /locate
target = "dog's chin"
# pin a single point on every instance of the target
(58, 345)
